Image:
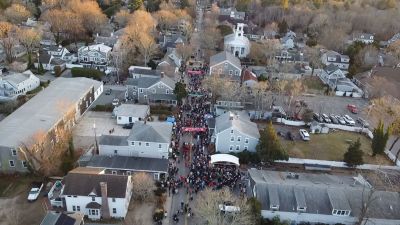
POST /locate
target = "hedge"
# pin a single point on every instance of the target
(87, 72)
(103, 108)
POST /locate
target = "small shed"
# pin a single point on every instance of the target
(130, 113)
(318, 128)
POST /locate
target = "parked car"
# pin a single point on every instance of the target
(35, 191)
(326, 118)
(363, 122)
(341, 120)
(318, 118)
(349, 120)
(108, 92)
(333, 119)
(228, 207)
(128, 126)
(115, 102)
(290, 136)
(352, 108)
(304, 135)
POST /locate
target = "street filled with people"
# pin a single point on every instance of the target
(190, 169)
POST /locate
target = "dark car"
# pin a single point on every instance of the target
(318, 118)
(108, 92)
(128, 126)
(333, 119)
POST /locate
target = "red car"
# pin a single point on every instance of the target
(352, 108)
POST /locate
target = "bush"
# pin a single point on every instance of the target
(57, 71)
(87, 72)
(161, 109)
(246, 157)
(34, 91)
(162, 117)
(160, 191)
(158, 215)
(103, 108)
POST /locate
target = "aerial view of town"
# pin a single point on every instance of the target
(199, 112)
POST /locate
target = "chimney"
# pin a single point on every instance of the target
(105, 210)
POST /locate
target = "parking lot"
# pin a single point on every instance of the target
(84, 133)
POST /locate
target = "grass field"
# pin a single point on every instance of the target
(332, 146)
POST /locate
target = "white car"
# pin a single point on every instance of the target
(115, 102)
(349, 120)
(341, 120)
(227, 207)
(304, 135)
(35, 191)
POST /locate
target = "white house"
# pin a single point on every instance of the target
(336, 79)
(94, 56)
(364, 38)
(97, 196)
(287, 41)
(56, 51)
(15, 84)
(237, 43)
(146, 139)
(337, 59)
(234, 132)
(130, 113)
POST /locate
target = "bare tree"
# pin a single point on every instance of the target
(207, 207)
(122, 18)
(8, 40)
(29, 38)
(143, 185)
(17, 13)
(367, 199)
(184, 51)
(147, 47)
(295, 89)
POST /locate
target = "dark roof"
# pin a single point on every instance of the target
(146, 72)
(233, 21)
(113, 140)
(129, 163)
(84, 184)
(65, 220)
(93, 205)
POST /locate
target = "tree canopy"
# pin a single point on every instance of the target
(380, 138)
(354, 155)
(180, 91)
(269, 147)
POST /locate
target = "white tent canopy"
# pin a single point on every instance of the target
(225, 158)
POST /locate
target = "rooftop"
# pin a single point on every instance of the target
(225, 56)
(160, 132)
(128, 163)
(322, 193)
(134, 110)
(84, 184)
(56, 218)
(43, 111)
(113, 140)
(240, 121)
(96, 47)
(16, 78)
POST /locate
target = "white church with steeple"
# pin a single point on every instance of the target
(237, 43)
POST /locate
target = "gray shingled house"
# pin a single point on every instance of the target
(225, 64)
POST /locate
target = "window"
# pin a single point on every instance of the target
(75, 196)
(93, 199)
(246, 147)
(113, 199)
(73, 208)
(334, 211)
(238, 138)
(12, 163)
(231, 148)
(140, 143)
(246, 140)
(24, 164)
(128, 173)
(236, 72)
(154, 91)
(237, 147)
(141, 90)
(94, 212)
(230, 72)
(132, 143)
(13, 152)
(167, 91)
(147, 144)
(119, 118)
(114, 210)
(159, 145)
(115, 152)
(78, 208)
(231, 131)
(232, 138)
(114, 172)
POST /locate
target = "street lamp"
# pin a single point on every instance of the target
(38, 64)
(95, 138)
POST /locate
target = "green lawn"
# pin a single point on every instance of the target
(332, 146)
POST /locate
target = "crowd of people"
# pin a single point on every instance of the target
(199, 173)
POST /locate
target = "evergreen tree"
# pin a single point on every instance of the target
(354, 155)
(180, 91)
(380, 138)
(283, 27)
(269, 147)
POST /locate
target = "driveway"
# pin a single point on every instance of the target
(117, 91)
